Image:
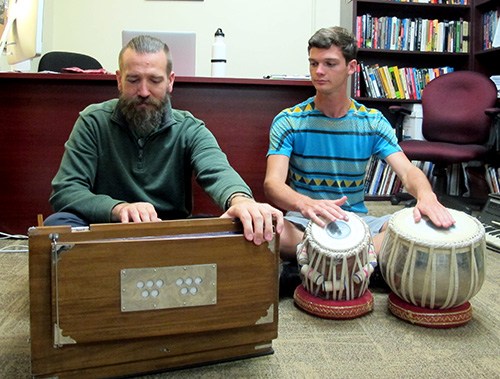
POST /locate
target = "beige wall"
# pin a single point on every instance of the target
(277, 46)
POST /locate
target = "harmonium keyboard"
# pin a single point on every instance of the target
(116, 300)
(490, 218)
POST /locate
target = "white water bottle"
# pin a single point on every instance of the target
(219, 60)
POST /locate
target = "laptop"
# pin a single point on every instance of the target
(182, 47)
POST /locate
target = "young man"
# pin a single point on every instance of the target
(319, 150)
(131, 159)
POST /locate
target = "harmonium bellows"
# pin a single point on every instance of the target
(122, 299)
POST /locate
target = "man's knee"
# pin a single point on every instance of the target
(289, 239)
(65, 218)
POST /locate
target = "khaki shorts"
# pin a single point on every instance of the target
(374, 223)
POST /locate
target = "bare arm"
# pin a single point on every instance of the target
(416, 183)
(281, 194)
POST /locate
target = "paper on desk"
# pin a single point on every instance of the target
(78, 70)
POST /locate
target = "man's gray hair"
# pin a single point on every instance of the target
(145, 44)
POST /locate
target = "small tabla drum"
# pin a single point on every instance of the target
(432, 271)
(335, 265)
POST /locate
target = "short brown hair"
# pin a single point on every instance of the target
(325, 38)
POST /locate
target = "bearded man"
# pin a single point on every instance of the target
(132, 159)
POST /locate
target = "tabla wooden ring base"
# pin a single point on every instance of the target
(333, 309)
(430, 318)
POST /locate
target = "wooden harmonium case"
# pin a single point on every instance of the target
(123, 299)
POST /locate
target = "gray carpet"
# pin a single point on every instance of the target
(377, 345)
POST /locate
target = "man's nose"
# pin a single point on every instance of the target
(320, 69)
(143, 89)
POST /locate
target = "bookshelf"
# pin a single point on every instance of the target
(485, 57)
(379, 48)
(410, 35)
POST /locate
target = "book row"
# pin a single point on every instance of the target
(381, 180)
(491, 24)
(412, 34)
(493, 178)
(393, 82)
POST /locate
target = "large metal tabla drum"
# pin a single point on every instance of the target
(433, 272)
(335, 265)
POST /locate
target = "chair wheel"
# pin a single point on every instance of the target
(410, 203)
(394, 200)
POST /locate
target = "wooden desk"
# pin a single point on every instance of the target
(38, 111)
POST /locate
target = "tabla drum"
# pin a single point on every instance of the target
(335, 264)
(432, 271)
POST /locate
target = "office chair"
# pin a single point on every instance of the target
(57, 60)
(458, 124)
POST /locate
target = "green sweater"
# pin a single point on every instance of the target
(104, 164)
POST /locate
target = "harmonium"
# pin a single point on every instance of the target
(117, 300)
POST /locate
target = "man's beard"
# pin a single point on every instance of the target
(142, 121)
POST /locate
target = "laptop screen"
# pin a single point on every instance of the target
(182, 47)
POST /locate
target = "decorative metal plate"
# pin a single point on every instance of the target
(144, 289)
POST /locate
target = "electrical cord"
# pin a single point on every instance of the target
(13, 248)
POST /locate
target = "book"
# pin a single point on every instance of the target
(378, 80)
(393, 45)
(385, 84)
(389, 183)
(424, 30)
(465, 36)
(364, 72)
(368, 31)
(375, 182)
(411, 36)
(496, 35)
(356, 81)
(398, 86)
(440, 36)
(359, 31)
(402, 78)
(410, 80)
(392, 90)
(373, 82)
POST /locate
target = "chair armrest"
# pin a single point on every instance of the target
(494, 140)
(399, 109)
(401, 112)
(492, 111)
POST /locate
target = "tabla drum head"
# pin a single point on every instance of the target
(340, 235)
(465, 230)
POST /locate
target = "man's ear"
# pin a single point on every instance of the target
(171, 80)
(119, 80)
(352, 65)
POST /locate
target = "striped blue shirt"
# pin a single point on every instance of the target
(329, 156)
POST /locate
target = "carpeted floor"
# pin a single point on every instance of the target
(377, 345)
